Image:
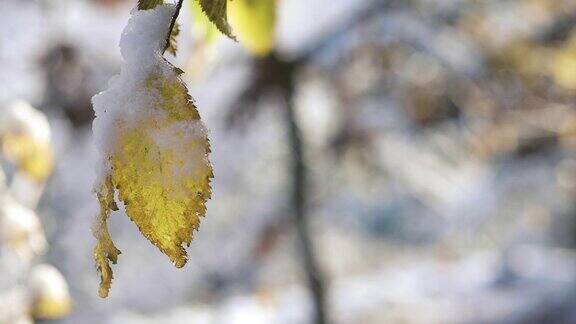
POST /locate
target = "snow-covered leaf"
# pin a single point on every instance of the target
(153, 145)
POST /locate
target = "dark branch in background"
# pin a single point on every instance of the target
(172, 23)
(298, 201)
(273, 75)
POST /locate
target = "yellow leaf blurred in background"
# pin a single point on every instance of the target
(25, 140)
(253, 23)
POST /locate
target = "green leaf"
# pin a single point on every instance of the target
(216, 12)
(148, 4)
(202, 27)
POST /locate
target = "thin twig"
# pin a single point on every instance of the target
(172, 23)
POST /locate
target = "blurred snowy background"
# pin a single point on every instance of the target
(439, 138)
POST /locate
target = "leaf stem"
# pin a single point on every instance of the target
(172, 23)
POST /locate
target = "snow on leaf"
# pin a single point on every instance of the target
(216, 12)
(172, 42)
(154, 147)
(253, 22)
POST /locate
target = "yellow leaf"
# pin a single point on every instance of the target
(156, 148)
(33, 158)
(21, 230)
(162, 172)
(105, 251)
(563, 65)
(253, 22)
(25, 140)
(49, 293)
